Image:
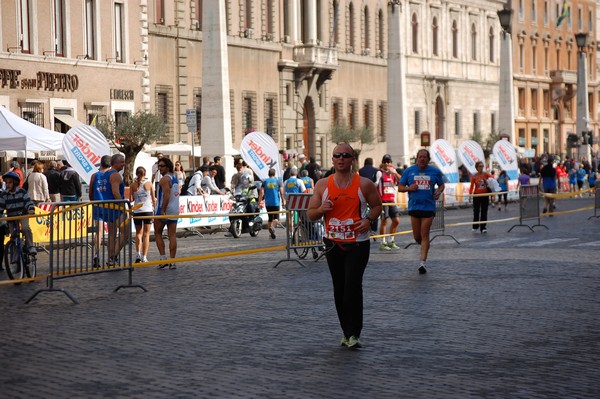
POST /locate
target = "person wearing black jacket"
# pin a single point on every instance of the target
(70, 184)
(53, 177)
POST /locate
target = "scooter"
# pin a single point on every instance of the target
(251, 224)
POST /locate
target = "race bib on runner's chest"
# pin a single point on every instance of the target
(423, 182)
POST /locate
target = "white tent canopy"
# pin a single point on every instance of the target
(18, 134)
(176, 149)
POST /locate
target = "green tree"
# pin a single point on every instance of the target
(357, 137)
(130, 135)
(486, 143)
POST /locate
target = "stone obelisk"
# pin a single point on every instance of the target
(397, 126)
(216, 112)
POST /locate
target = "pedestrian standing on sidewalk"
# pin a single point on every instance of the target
(141, 192)
(343, 198)
(167, 204)
(424, 184)
(272, 192)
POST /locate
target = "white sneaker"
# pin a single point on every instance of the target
(484, 231)
(475, 230)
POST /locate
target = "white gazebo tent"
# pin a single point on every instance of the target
(17, 134)
(20, 135)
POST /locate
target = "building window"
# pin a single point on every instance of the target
(336, 111)
(580, 19)
(415, 34)
(271, 115)
(417, 122)
(534, 11)
(249, 114)
(534, 102)
(90, 29)
(198, 108)
(493, 119)
(59, 28)
(546, 140)
(198, 15)
(590, 21)
(473, 42)
(522, 141)
(521, 57)
(546, 98)
(454, 40)
(248, 15)
(160, 12)
(368, 114)
(476, 122)
(492, 41)
(434, 36)
(546, 61)
(164, 109)
(33, 112)
(95, 113)
(521, 95)
(367, 43)
(336, 22)
(569, 56)
(534, 58)
(546, 12)
(120, 32)
(380, 34)
(521, 10)
(24, 26)
(534, 137)
(381, 120)
(351, 31)
(457, 123)
(269, 22)
(352, 105)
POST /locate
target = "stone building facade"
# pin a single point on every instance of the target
(545, 72)
(297, 67)
(64, 62)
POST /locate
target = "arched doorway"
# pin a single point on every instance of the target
(308, 128)
(440, 117)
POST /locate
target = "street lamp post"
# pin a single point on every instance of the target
(581, 39)
(506, 122)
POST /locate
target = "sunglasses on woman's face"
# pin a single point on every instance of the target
(345, 155)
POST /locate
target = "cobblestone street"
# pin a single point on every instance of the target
(502, 315)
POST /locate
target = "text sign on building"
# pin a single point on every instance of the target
(47, 81)
(190, 120)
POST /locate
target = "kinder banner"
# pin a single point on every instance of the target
(506, 157)
(469, 153)
(444, 157)
(194, 204)
(83, 146)
(261, 153)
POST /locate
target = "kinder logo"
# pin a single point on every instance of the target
(444, 159)
(84, 153)
(469, 156)
(260, 158)
(195, 207)
(504, 155)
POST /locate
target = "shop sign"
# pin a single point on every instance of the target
(46, 81)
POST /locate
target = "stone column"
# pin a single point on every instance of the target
(582, 105)
(311, 22)
(397, 126)
(506, 113)
(216, 112)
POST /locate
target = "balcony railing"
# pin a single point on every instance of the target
(307, 55)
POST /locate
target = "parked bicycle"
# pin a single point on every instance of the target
(18, 262)
(307, 236)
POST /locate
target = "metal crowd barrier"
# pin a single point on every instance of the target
(438, 226)
(529, 206)
(88, 238)
(302, 234)
(596, 201)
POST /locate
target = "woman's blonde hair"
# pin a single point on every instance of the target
(38, 167)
